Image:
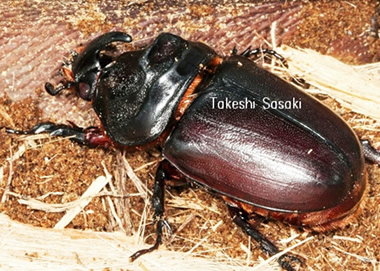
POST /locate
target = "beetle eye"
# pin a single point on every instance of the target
(84, 91)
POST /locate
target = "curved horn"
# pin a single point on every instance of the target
(86, 65)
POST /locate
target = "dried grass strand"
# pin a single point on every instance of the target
(354, 87)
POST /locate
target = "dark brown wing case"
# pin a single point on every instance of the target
(289, 160)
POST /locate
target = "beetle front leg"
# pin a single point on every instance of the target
(264, 51)
(240, 217)
(158, 198)
(91, 136)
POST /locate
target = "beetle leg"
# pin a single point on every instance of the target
(160, 225)
(255, 52)
(240, 217)
(162, 174)
(370, 153)
(91, 136)
(55, 90)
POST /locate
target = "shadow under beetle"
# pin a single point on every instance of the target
(302, 166)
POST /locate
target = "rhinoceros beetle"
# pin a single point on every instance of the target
(268, 149)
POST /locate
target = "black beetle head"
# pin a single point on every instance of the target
(87, 66)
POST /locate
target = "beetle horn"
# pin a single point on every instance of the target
(88, 60)
(86, 66)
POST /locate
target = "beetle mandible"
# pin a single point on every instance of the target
(303, 166)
